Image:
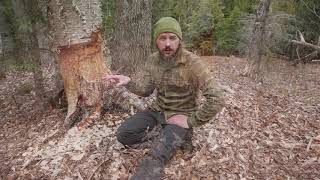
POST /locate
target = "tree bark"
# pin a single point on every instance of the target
(76, 29)
(258, 46)
(52, 80)
(37, 73)
(75, 26)
(132, 36)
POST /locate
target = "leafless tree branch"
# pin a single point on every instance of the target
(310, 9)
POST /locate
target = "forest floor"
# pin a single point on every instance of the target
(266, 131)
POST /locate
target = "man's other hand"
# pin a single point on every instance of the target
(180, 120)
(118, 80)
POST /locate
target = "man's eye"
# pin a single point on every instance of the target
(173, 37)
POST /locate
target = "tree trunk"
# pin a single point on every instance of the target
(258, 46)
(76, 29)
(26, 10)
(75, 26)
(52, 80)
(37, 73)
(132, 36)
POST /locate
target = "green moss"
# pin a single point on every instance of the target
(24, 89)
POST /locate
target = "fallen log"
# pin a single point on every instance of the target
(306, 44)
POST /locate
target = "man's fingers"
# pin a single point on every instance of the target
(111, 78)
(108, 77)
(112, 81)
(120, 83)
(118, 80)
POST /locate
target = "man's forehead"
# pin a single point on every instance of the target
(168, 34)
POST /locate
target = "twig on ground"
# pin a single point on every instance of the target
(309, 144)
(105, 161)
(79, 175)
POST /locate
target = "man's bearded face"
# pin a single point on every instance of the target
(168, 45)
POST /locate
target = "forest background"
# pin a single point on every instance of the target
(220, 27)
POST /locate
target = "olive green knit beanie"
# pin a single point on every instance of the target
(167, 24)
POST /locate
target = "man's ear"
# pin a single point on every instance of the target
(181, 44)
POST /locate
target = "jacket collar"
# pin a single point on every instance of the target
(181, 57)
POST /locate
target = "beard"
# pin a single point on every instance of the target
(168, 54)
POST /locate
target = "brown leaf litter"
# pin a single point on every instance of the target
(266, 131)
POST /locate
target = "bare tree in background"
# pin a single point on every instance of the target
(257, 44)
(30, 13)
(132, 36)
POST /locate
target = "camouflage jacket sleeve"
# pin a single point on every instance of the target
(213, 94)
(142, 83)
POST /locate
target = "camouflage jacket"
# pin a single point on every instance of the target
(178, 84)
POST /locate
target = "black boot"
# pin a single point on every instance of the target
(187, 146)
(149, 169)
(152, 167)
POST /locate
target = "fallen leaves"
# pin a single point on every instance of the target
(265, 131)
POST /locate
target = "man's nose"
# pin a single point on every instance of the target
(167, 43)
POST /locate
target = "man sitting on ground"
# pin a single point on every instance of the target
(178, 76)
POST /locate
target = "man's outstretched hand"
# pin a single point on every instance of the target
(180, 120)
(118, 80)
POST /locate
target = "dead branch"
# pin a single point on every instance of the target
(306, 44)
(310, 9)
(311, 55)
(287, 145)
(301, 36)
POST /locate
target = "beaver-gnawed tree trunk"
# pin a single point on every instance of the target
(76, 29)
